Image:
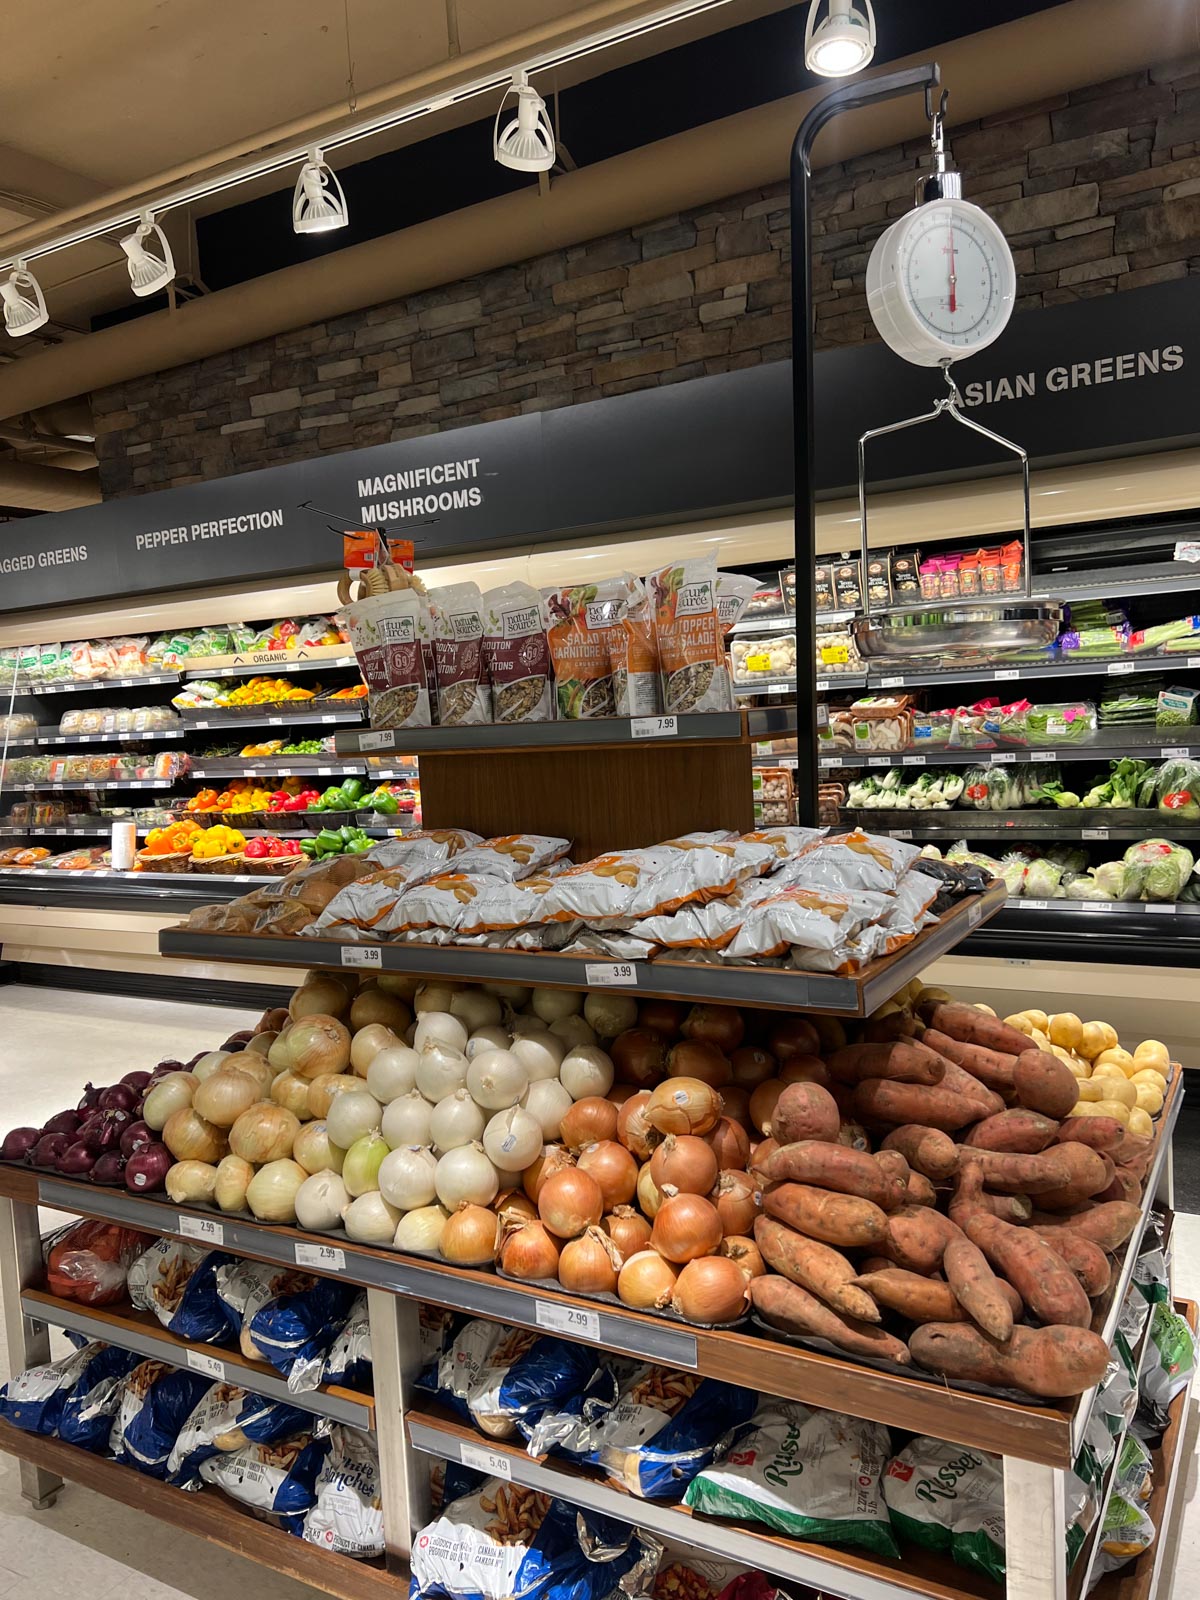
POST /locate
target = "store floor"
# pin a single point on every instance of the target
(51, 1042)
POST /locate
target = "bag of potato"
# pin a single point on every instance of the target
(227, 1418)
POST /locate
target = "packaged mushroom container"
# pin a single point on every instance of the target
(766, 657)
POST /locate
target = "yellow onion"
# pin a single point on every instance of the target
(190, 1138)
(222, 1098)
(233, 1179)
(173, 1092)
(271, 1193)
(760, 1155)
(664, 1017)
(746, 1253)
(321, 994)
(628, 1230)
(527, 1251)
(262, 1042)
(514, 1206)
(646, 1281)
(321, 1090)
(375, 1008)
(589, 1264)
(189, 1182)
(639, 1056)
(367, 1043)
(793, 1036)
(723, 1026)
(712, 1289)
(684, 1105)
(554, 1158)
(685, 1227)
(469, 1237)
(265, 1133)
(685, 1162)
(649, 1195)
(805, 1069)
(699, 1058)
(316, 1151)
(613, 1168)
(569, 1202)
(751, 1066)
(589, 1121)
(738, 1200)
(633, 1130)
(730, 1144)
(737, 1105)
(317, 1044)
(255, 1065)
(291, 1092)
(763, 1102)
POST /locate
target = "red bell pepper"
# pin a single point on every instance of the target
(256, 849)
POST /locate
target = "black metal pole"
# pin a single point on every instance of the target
(850, 97)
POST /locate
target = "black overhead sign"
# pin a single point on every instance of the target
(1116, 374)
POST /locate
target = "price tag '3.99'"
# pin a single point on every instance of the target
(568, 1319)
(203, 1229)
(617, 974)
(365, 955)
(321, 1257)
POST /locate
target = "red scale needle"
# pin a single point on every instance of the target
(953, 278)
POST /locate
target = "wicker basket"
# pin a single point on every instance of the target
(273, 866)
(220, 866)
(176, 861)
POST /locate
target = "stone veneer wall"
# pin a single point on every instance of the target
(1098, 191)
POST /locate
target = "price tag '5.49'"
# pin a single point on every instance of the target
(575, 1320)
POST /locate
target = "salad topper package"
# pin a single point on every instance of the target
(227, 1418)
(502, 1379)
(294, 1330)
(349, 1359)
(347, 1514)
(33, 1400)
(89, 1409)
(812, 1475)
(649, 1428)
(633, 655)
(278, 1478)
(690, 638)
(90, 1261)
(390, 633)
(580, 626)
(516, 655)
(178, 1282)
(155, 1402)
(464, 697)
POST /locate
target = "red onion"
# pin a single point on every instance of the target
(76, 1161)
(118, 1097)
(135, 1136)
(18, 1142)
(237, 1041)
(112, 1125)
(89, 1098)
(90, 1132)
(178, 1066)
(136, 1081)
(48, 1149)
(147, 1169)
(62, 1122)
(109, 1169)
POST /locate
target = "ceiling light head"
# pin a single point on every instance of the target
(318, 205)
(844, 42)
(24, 303)
(148, 272)
(527, 143)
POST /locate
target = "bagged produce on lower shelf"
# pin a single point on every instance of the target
(813, 1475)
(348, 1360)
(347, 1514)
(701, 1577)
(178, 1282)
(503, 1379)
(87, 1416)
(1125, 1533)
(34, 1400)
(90, 1261)
(1167, 1368)
(155, 1402)
(226, 1418)
(278, 1479)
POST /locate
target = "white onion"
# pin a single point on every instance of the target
(517, 994)
(441, 1068)
(208, 1064)
(406, 1120)
(316, 1151)
(573, 1031)
(406, 1177)
(548, 1101)
(367, 1044)
(476, 1009)
(392, 1072)
(442, 1027)
(490, 1038)
(173, 1092)
(550, 1004)
(421, 1230)
(540, 1054)
(610, 1014)
(351, 1115)
(586, 1070)
(466, 1174)
(271, 1192)
(513, 1139)
(456, 1120)
(320, 1201)
(370, 1220)
(496, 1079)
(524, 1024)
(434, 997)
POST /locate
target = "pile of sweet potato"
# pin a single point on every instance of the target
(928, 1199)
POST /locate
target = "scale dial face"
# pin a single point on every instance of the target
(941, 282)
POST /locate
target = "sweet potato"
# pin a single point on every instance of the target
(903, 1061)
(976, 1288)
(880, 1100)
(993, 1068)
(917, 1237)
(1015, 1174)
(836, 1167)
(914, 1296)
(925, 1149)
(1053, 1362)
(962, 1083)
(1044, 1083)
(839, 1219)
(919, 1191)
(1090, 1172)
(1123, 1186)
(968, 1198)
(805, 1111)
(816, 1267)
(1099, 1133)
(1108, 1225)
(1040, 1276)
(791, 1309)
(1014, 1208)
(1133, 1153)
(1018, 1132)
(1085, 1259)
(896, 1025)
(970, 1026)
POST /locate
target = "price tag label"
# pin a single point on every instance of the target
(1042, 755)
(203, 1229)
(201, 724)
(1094, 833)
(567, 1319)
(1193, 662)
(653, 727)
(823, 685)
(974, 916)
(1003, 758)
(602, 974)
(827, 763)
(1160, 910)
(274, 722)
(891, 683)
(1091, 905)
(879, 761)
(362, 955)
(915, 761)
(1116, 668)
(900, 833)
(1035, 905)
(210, 1366)
(1181, 752)
(494, 1462)
(321, 1257)
(1008, 674)
(384, 740)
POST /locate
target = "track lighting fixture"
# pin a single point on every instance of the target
(318, 205)
(24, 302)
(527, 143)
(148, 272)
(843, 43)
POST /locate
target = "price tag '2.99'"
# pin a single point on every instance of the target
(202, 1228)
(321, 1257)
(608, 975)
(568, 1319)
(362, 955)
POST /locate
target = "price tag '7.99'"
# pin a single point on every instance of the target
(575, 1320)
(616, 974)
(202, 1228)
(653, 727)
(321, 1257)
(364, 955)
